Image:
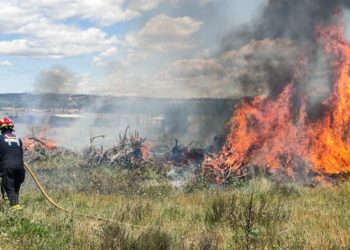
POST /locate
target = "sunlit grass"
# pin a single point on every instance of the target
(149, 213)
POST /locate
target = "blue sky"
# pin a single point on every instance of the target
(104, 43)
(120, 47)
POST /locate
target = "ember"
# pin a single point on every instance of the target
(268, 134)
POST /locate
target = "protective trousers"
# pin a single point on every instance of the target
(12, 178)
(3, 193)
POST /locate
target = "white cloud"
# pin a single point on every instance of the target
(104, 12)
(57, 29)
(109, 52)
(13, 17)
(196, 67)
(202, 76)
(5, 63)
(99, 60)
(144, 5)
(40, 30)
(162, 33)
(41, 37)
(234, 74)
(57, 47)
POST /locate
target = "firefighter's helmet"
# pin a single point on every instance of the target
(6, 123)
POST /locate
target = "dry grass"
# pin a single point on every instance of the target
(256, 214)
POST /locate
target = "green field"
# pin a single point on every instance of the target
(150, 213)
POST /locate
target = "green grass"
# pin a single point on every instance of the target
(149, 213)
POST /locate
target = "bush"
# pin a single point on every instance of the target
(253, 218)
(259, 220)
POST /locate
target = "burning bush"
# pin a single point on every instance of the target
(276, 134)
(129, 152)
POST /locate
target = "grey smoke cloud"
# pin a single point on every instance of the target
(258, 59)
(290, 28)
(263, 67)
(196, 67)
(295, 20)
(56, 80)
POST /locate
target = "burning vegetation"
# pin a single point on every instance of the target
(129, 151)
(274, 134)
(277, 135)
(293, 125)
(40, 141)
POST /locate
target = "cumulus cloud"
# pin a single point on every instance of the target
(57, 41)
(162, 33)
(104, 12)
(38, 36)
(12, 17)
(192, 68)
(144, 5)
(258, 68)
(40, 30)
(162, 58)
(99, 60)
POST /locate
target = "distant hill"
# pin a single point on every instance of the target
(114, 104)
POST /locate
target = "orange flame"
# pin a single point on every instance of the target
(266, 132)
(30, 143)
(146, 148)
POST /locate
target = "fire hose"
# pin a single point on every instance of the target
(52, 202)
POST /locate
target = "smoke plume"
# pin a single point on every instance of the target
(295, 20)
(270, 70)
(56, 80)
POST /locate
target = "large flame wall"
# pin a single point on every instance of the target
(270, 134)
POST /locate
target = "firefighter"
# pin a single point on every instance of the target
(11, 162)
